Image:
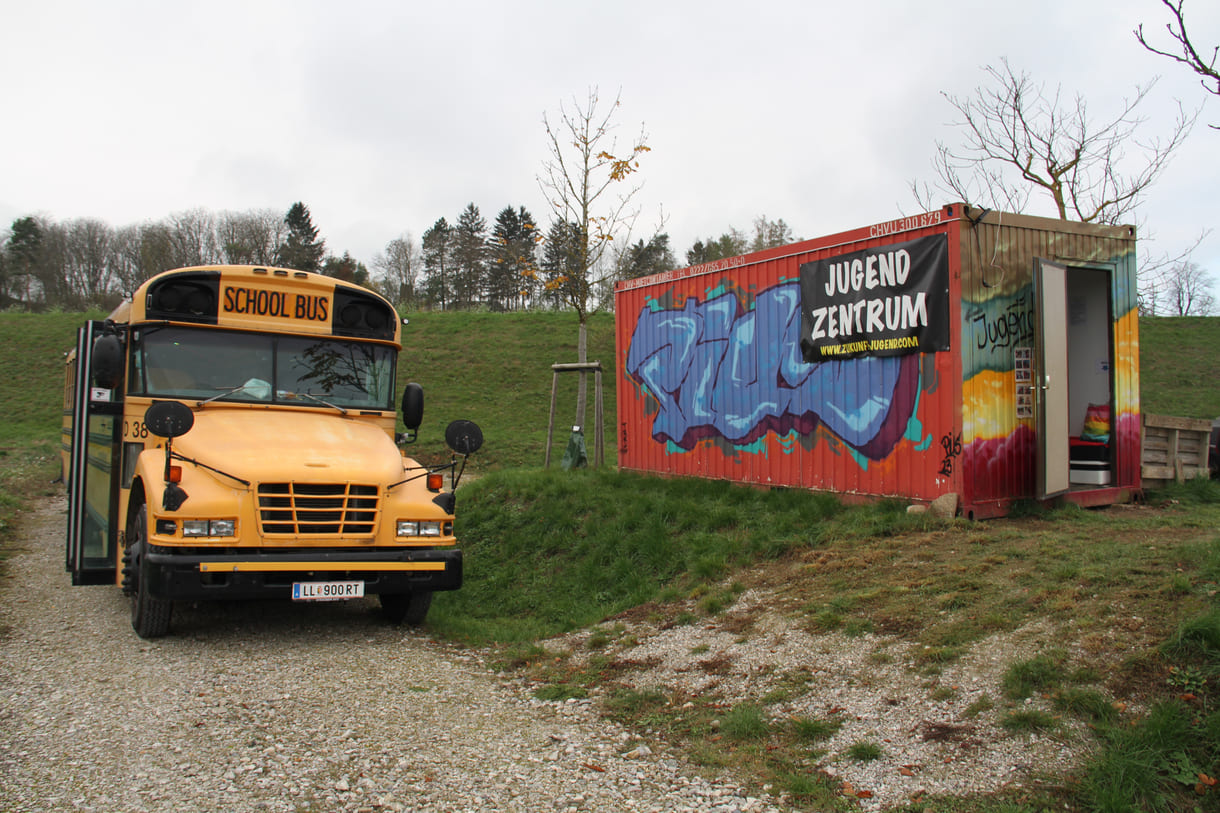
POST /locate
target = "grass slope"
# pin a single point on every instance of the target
(1180, 366)
(494, 369)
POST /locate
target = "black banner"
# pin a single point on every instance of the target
(883, 301)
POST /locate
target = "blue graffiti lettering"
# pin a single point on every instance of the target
(717, 370)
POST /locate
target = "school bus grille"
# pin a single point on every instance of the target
(339, 509)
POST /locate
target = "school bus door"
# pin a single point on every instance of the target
(92, 484)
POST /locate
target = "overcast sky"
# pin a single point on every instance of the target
(383, 116)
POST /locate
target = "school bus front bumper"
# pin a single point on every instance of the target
(194, 576)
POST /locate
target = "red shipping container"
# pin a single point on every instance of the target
(983, 354)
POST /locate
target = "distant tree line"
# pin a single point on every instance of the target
(767, 234)
(85, 263)
(466, 264)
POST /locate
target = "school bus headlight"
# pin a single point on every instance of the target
(410, 527)
(208, 527)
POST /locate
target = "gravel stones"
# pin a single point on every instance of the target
(937, 734)
(282, 707)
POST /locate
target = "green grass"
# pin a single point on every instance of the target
(552, 551)
(1028, 721)
(1156, 763)
(745, 721)
(864, 751)
(815, 729)
(1086, 704)
(1035, 676)
(1176, 355)
(495, 369)
(31, 408)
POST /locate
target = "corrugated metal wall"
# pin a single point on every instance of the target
(712, 383)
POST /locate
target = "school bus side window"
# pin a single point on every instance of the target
(135, 364)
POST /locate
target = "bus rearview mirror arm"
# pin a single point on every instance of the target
(170, 419)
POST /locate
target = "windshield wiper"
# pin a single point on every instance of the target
(221, 394)
(314, 398)
(257, 388)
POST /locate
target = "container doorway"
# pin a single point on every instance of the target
(1075, 388)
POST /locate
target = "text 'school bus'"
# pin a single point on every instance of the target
(230, 433)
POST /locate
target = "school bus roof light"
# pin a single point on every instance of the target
(192, 297)
(362, 315)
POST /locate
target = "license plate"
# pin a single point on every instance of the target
(326, 591)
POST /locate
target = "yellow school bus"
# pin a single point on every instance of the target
(230, 433)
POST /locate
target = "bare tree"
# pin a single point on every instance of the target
(1020, 140)
(250, 238)
(1189, 291)
(193, 236)
(770, 233)
(1156, 273)
(582, 180)
(579, 180)
(1185, 51)
(399, 269)
(83, 248)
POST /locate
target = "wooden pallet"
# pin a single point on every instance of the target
(1174, 449)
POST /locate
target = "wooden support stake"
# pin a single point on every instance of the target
(583, 368)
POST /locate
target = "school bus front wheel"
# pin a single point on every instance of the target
(410, 608)
(150, 615)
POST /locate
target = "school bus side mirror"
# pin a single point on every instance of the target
(169, 419)
(106, 361)
(412, 411)
(464, 437)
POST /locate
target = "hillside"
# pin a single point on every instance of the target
(1179, 366)
(494, 369)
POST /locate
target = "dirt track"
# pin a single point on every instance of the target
(276, 706)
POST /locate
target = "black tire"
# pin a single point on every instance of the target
(410, 608)
(149, 616)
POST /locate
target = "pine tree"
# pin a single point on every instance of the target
(560, 263)
(512, 266)
(302, 250)
(469, 257)
(643, 259)
(23, 254)
(346, 268)
(437, 248)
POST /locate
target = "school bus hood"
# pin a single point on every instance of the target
(275, 445)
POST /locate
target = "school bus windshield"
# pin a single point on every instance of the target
(201, 364)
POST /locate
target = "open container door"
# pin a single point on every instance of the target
(1050, 341)
(92, 492)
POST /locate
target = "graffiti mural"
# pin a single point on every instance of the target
(721, 369)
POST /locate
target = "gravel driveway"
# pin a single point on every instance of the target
(281, 707)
